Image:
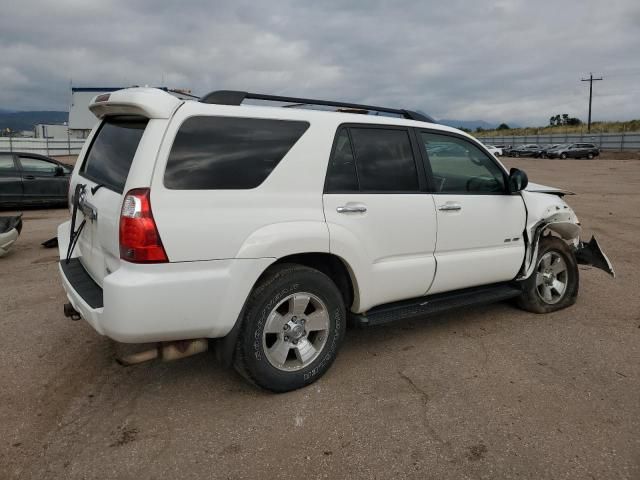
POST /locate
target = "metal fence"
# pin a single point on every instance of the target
(43, 146)
(605, 141)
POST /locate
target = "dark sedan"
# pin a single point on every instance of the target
(547, 148)
(529, 150)
(31, 179)
(575, 150)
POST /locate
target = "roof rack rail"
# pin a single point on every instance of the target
(233, 97)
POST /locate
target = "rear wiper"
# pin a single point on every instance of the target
(95, 188)
(75, 234)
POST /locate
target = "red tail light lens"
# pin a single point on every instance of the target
(139, 238)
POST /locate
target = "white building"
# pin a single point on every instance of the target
(81, 120)
(51, 130)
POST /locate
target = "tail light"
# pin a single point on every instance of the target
(139, 238)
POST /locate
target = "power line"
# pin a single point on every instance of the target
(590, 80)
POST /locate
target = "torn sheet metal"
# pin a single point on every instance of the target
(590, 253)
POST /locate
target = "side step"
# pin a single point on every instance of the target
(437, 303)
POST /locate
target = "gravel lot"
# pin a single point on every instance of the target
(491, 392)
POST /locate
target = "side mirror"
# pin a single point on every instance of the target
(518, 180)
(59, 171)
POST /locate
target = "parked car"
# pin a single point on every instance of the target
(506, 149)
(529, 150)
(547, 148)
(494, 150)
(261, 230)
(575, 150)
(31, 179)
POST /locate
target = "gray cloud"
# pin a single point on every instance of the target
(512, 60)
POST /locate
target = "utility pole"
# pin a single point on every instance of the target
(590, 80)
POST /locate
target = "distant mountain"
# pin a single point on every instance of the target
(474, 124)
(469, 124)
(26, 120)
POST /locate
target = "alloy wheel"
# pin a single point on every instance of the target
(295, 331)
(551, 277)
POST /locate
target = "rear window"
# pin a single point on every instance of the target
(111, 153)
(228, 153)
(7, 165)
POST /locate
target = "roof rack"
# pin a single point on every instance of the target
(233, 97)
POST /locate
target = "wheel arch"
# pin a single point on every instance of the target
(336, 268)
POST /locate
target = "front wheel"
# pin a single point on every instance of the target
(563, 156)
(555, 281)
(590, 156)
(293, 326)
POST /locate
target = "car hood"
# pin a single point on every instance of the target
(537, 188)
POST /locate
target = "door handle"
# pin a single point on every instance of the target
(450, 207)
(29, 177)
(351, 209)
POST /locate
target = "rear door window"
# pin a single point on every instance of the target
(341, 174)
(384, 160)
(228, 153)
(112, 150)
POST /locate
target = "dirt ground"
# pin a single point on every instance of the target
(485, 393)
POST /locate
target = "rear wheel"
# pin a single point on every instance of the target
(555, 280)
(563, 156)
(293, 326)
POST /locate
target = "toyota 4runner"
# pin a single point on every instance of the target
(262, 230)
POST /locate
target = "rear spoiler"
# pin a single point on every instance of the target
(146, 102)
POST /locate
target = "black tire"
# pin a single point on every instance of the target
(517, 154)
(531, 300)
(250, 359)
(590, 156)
(563, 156)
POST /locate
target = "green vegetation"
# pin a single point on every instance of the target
(564, 119)
(596, 127)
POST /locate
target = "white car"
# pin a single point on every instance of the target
(261, 230)
(494, 150)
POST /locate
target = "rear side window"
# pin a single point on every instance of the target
(228, 153)
(384, 160)
(111, 153)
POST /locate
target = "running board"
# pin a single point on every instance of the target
(437, 303)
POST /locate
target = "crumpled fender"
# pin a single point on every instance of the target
(549, 212)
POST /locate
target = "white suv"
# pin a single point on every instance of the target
(267, 228)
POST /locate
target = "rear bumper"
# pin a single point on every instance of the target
(163, 302)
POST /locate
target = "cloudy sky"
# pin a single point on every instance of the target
(496, 60)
